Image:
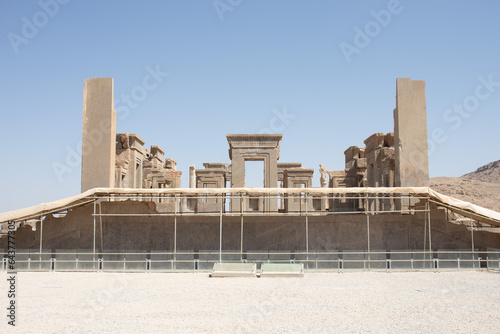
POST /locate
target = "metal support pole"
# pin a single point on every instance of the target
(366, 203)
(425, 229)
(307, 234)
(100, 227)
(220, 233)
(429, 220)
(93, 246)
(241, 228)
(472, 242)
(41, 240)
(175, 232)
(368, 237)
(367, 212)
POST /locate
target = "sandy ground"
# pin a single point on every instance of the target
(354, 302)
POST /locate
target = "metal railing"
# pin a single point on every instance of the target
(203, 261)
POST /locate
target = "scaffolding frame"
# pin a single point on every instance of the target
(304, 211)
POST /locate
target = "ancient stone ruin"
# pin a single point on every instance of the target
(377, 212)
(396, 159)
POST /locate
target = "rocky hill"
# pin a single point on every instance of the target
(481, 187)
(487, 173)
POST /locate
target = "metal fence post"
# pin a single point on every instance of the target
(220, 234)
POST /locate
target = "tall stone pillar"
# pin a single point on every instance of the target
(192, 176)
(410, 134)
(98, 134)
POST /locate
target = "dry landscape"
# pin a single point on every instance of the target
(352, 302)
(481, 187)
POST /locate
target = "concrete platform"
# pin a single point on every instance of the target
(234, 270)
(282, 270)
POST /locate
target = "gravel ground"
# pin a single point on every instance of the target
(353, 302)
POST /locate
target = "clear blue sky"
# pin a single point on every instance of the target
(232, 65)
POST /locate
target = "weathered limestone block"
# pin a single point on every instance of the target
(130, 154)
(98, 134)
(218, 165)
(157, 156)
(156, 174)
(122, 141)
(351, 153)
(210, 178)
(359, 163)
(374, 142)
(355, 167)
(156, 178)
(281, 168)
(389, 140)
(298, 178)
(170, 164)
(410, 134)
(380, 167)
(337, 178)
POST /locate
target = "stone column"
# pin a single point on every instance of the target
(192, 176)
(98, 134)
(410, 134)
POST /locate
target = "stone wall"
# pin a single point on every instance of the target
(275, 232)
